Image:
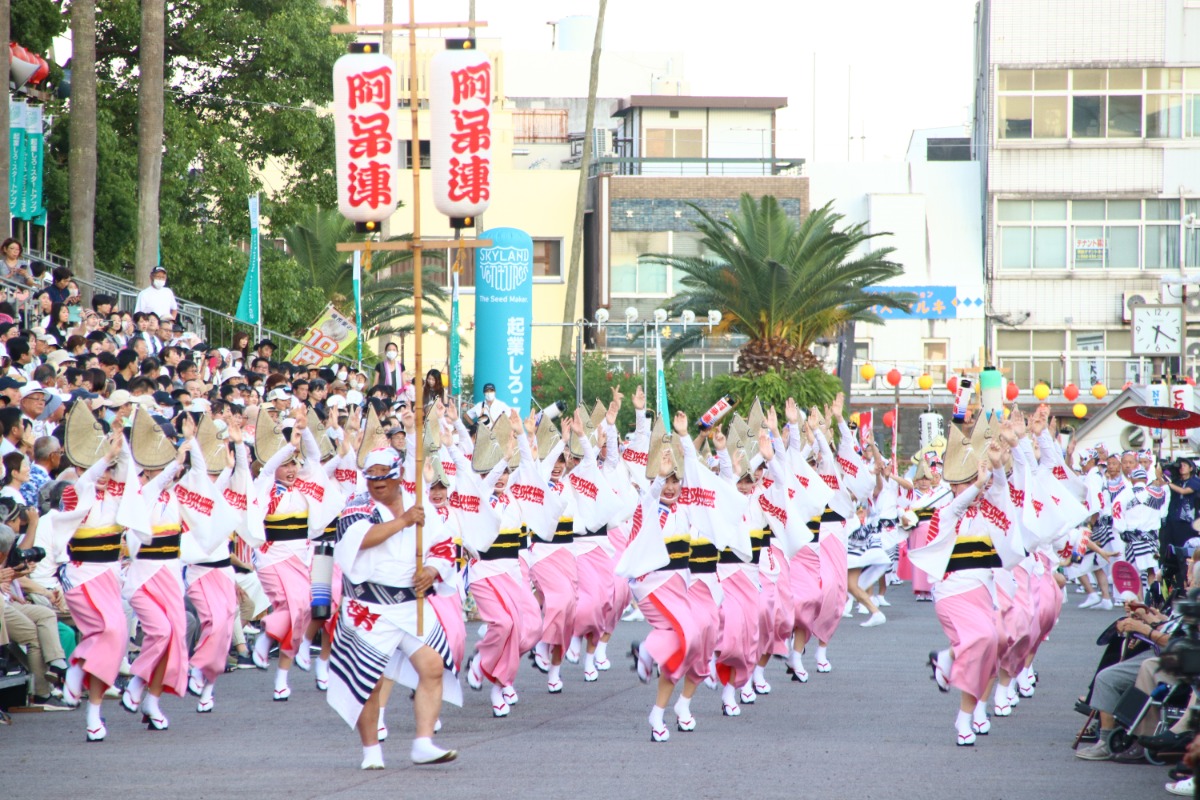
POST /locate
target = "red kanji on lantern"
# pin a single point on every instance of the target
(372, 135)
(472, 83)
(472, 131)
(469, 180)
(370, 184)
(371, 88)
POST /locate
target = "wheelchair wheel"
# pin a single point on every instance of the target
(1120, 741)
(1152, 757)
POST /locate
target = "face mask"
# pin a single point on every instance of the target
(358, 385)
(392, 355)
(342, 376)
(109, 414)
(489, 396)
(159, 284)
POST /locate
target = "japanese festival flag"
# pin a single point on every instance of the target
(364, 119)
(460, 121)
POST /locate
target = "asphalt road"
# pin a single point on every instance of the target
(873, 728)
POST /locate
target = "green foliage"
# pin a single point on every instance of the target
(554, 379)
(246, 79)
(35, 23)
(780, 281)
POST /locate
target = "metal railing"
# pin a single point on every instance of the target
(645, 166)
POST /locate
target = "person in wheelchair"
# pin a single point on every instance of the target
(1146, 632)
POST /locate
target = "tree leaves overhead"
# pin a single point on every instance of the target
(782, 284)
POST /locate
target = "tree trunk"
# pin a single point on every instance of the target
(81, 165)
(575, 267)
(150, 136)
(5, 211)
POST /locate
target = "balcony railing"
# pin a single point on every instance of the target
(712, 167)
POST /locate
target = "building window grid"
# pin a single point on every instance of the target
(1098, 104)
(1033, 235)
(638, 277)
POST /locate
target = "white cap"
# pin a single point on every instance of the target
(336, 401)
(58, 358)
(354, 397)
(119, 398)
(33, 387)
(278, 394)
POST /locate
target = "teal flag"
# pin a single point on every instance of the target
(455, 366)
(249, 309)
(16, 157)
(34, 161)
(660, 385)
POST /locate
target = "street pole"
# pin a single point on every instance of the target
(579, 363)
(418, 380)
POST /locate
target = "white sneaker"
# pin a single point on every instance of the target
(849, 612)
(880, 602)
(874, 621)
(1183, 788)
(634, 614)
(374, 761)
(1092, 599)
(862, 609)
(1106, 604)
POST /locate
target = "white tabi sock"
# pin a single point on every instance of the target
(555, 672)
(136, 688)
(1011, 689)
(728, 694)
(207, 692)
(980, 714)
(822, 653)
(601, 651)
(75, 680)
(150, 705)
(1001, 694)
(93, 716)
(589, 662)
(372, 756)
(498, 700)
(656, 717)
(262, 646)
(760, 676)
(683, 707)
(963, 722)
(322, 669)
(424, 749)
(281, 681)
(797, 660)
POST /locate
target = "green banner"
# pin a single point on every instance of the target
(455, 364)
(16, 156)
(34, 162)
(249, 306)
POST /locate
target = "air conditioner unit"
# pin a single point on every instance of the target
(1133, 437)
(1128, 301)
(1173, 293)
(1193, 350)
(1192, 304)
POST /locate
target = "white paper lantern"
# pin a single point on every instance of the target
(364, 107)
(460, 121)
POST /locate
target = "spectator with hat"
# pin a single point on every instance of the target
(490, 408)
(33, 403)
(157, 298)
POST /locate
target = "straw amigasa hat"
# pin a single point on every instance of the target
(268, 436)
(660, 440)
(735, 445)
(488, 452)
(589, 430)
(502, 432)
(151, 447)
(960, 464)
(211, 445)
(756, 422)
(84, 436)
(547, 436)
(372, 437)
(328, 448)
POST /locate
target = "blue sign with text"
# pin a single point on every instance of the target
(504, 316)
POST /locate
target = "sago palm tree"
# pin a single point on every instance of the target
(781, 283)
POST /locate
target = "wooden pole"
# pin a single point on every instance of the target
(418, 377)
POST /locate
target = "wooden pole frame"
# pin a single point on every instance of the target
(416, 244)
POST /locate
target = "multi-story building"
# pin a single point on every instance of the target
(1087, 130)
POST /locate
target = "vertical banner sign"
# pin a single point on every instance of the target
(16, 159)
(460, 124)
(866, 428)
(1157, 395)
(364, 118)
(249, 304)
(331, 335)
(504, 316)
(660, 384)
(34, 150)
(358, 302)
(455, 363)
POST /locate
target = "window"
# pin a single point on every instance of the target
(633, 274)
(674, 143)
(547, 259)
(1156, 103)
(936, 355)
(1090, 235)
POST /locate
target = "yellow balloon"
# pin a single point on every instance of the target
(445, 379)
(1079, 410)
(1041, 391)
(1099, 391)
(1007, 411)
(867, 371)
(925, 382)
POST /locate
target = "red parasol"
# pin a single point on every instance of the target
(1175, 419)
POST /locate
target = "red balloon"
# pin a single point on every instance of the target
(952, 384)
(1127, 385)
(1071, 392)
(889, 418)
(1011, 391)
(893, 377)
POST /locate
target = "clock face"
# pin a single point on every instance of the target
(1157, 330)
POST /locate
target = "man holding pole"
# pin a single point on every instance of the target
(379, 633)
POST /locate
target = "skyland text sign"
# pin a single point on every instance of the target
(504, 316)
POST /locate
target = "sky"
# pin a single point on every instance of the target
(883, 68)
